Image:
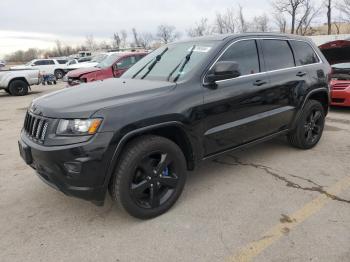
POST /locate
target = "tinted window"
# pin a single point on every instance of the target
(304, 54)
(277, 54)
(126, 62)
(40, 62)
(50, 62)
(245, 54)
(62, 61)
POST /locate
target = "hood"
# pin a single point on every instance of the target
(20, 67)
(336, 51)
(82, 65)
(82, 71)
(84, 100)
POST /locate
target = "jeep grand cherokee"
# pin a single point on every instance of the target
(185, 102)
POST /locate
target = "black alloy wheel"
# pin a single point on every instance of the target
(313, 126)
(310, 125)
(149, 177)
(154, 180)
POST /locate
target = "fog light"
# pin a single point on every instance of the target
(73, 168)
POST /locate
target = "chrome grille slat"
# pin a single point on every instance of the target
(35, 127)
(38, 130)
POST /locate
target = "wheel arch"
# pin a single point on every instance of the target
(318, 94)
(18, 78)
(322, 96)
(173, 131)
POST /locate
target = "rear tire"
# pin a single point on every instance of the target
(149, 177)
(59, 74)
(309, 128)
(18, 88)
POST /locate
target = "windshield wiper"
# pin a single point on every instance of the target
(158, 57)
(187, 58)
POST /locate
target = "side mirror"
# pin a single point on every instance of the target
(223, 70)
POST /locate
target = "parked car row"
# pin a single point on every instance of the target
(113, 65)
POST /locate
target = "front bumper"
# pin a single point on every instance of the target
(78, 170)
(340, 97)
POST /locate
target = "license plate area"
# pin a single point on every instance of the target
(25, 153)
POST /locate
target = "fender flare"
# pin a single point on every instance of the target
(314, 91)
(123, 141)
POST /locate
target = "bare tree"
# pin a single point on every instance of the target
(290, 7)
(90, 42)
(242, 23)
(59, 47)
(145, 40)
(261, 23)
(310, 12)
(136, 39)
(226, 22)
(200, 29)
(166, 33)
(124, 38)
(328, 4)
(116, 41)
(281, 22)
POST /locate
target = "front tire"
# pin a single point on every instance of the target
(309, 129)
(149, 177)
(18, 88)
(59, 74)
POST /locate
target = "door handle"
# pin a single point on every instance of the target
(260, 82)
(301, 74)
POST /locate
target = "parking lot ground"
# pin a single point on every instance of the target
(270, 202)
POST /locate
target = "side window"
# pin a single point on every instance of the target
(304, 54)
(126, 62)
(277, 54)
(39, 62)
(50, 62)
(61, 61)
(138, 57)
(245, 53)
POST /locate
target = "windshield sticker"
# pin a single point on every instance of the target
(202, 49)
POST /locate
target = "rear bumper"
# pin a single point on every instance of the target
(76, 170)
(340, 97)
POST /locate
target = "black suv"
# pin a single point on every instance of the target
(185, 102)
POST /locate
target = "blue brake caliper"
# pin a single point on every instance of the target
(165, 172)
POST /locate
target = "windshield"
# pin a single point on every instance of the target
(108, 61)
(171, 62)
(341, 71)
(29, 63)
(98, 58)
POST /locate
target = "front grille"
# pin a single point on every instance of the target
(340, 86)
(35, 127)
(338, 100)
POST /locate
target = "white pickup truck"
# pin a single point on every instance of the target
(18, 82)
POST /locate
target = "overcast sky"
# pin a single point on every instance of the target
(38, 23)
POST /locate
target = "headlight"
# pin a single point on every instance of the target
(78, 126)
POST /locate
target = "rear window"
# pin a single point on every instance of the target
(277, 54)
(304, 54)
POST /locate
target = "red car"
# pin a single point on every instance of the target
(114, 65)
(338, 55)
